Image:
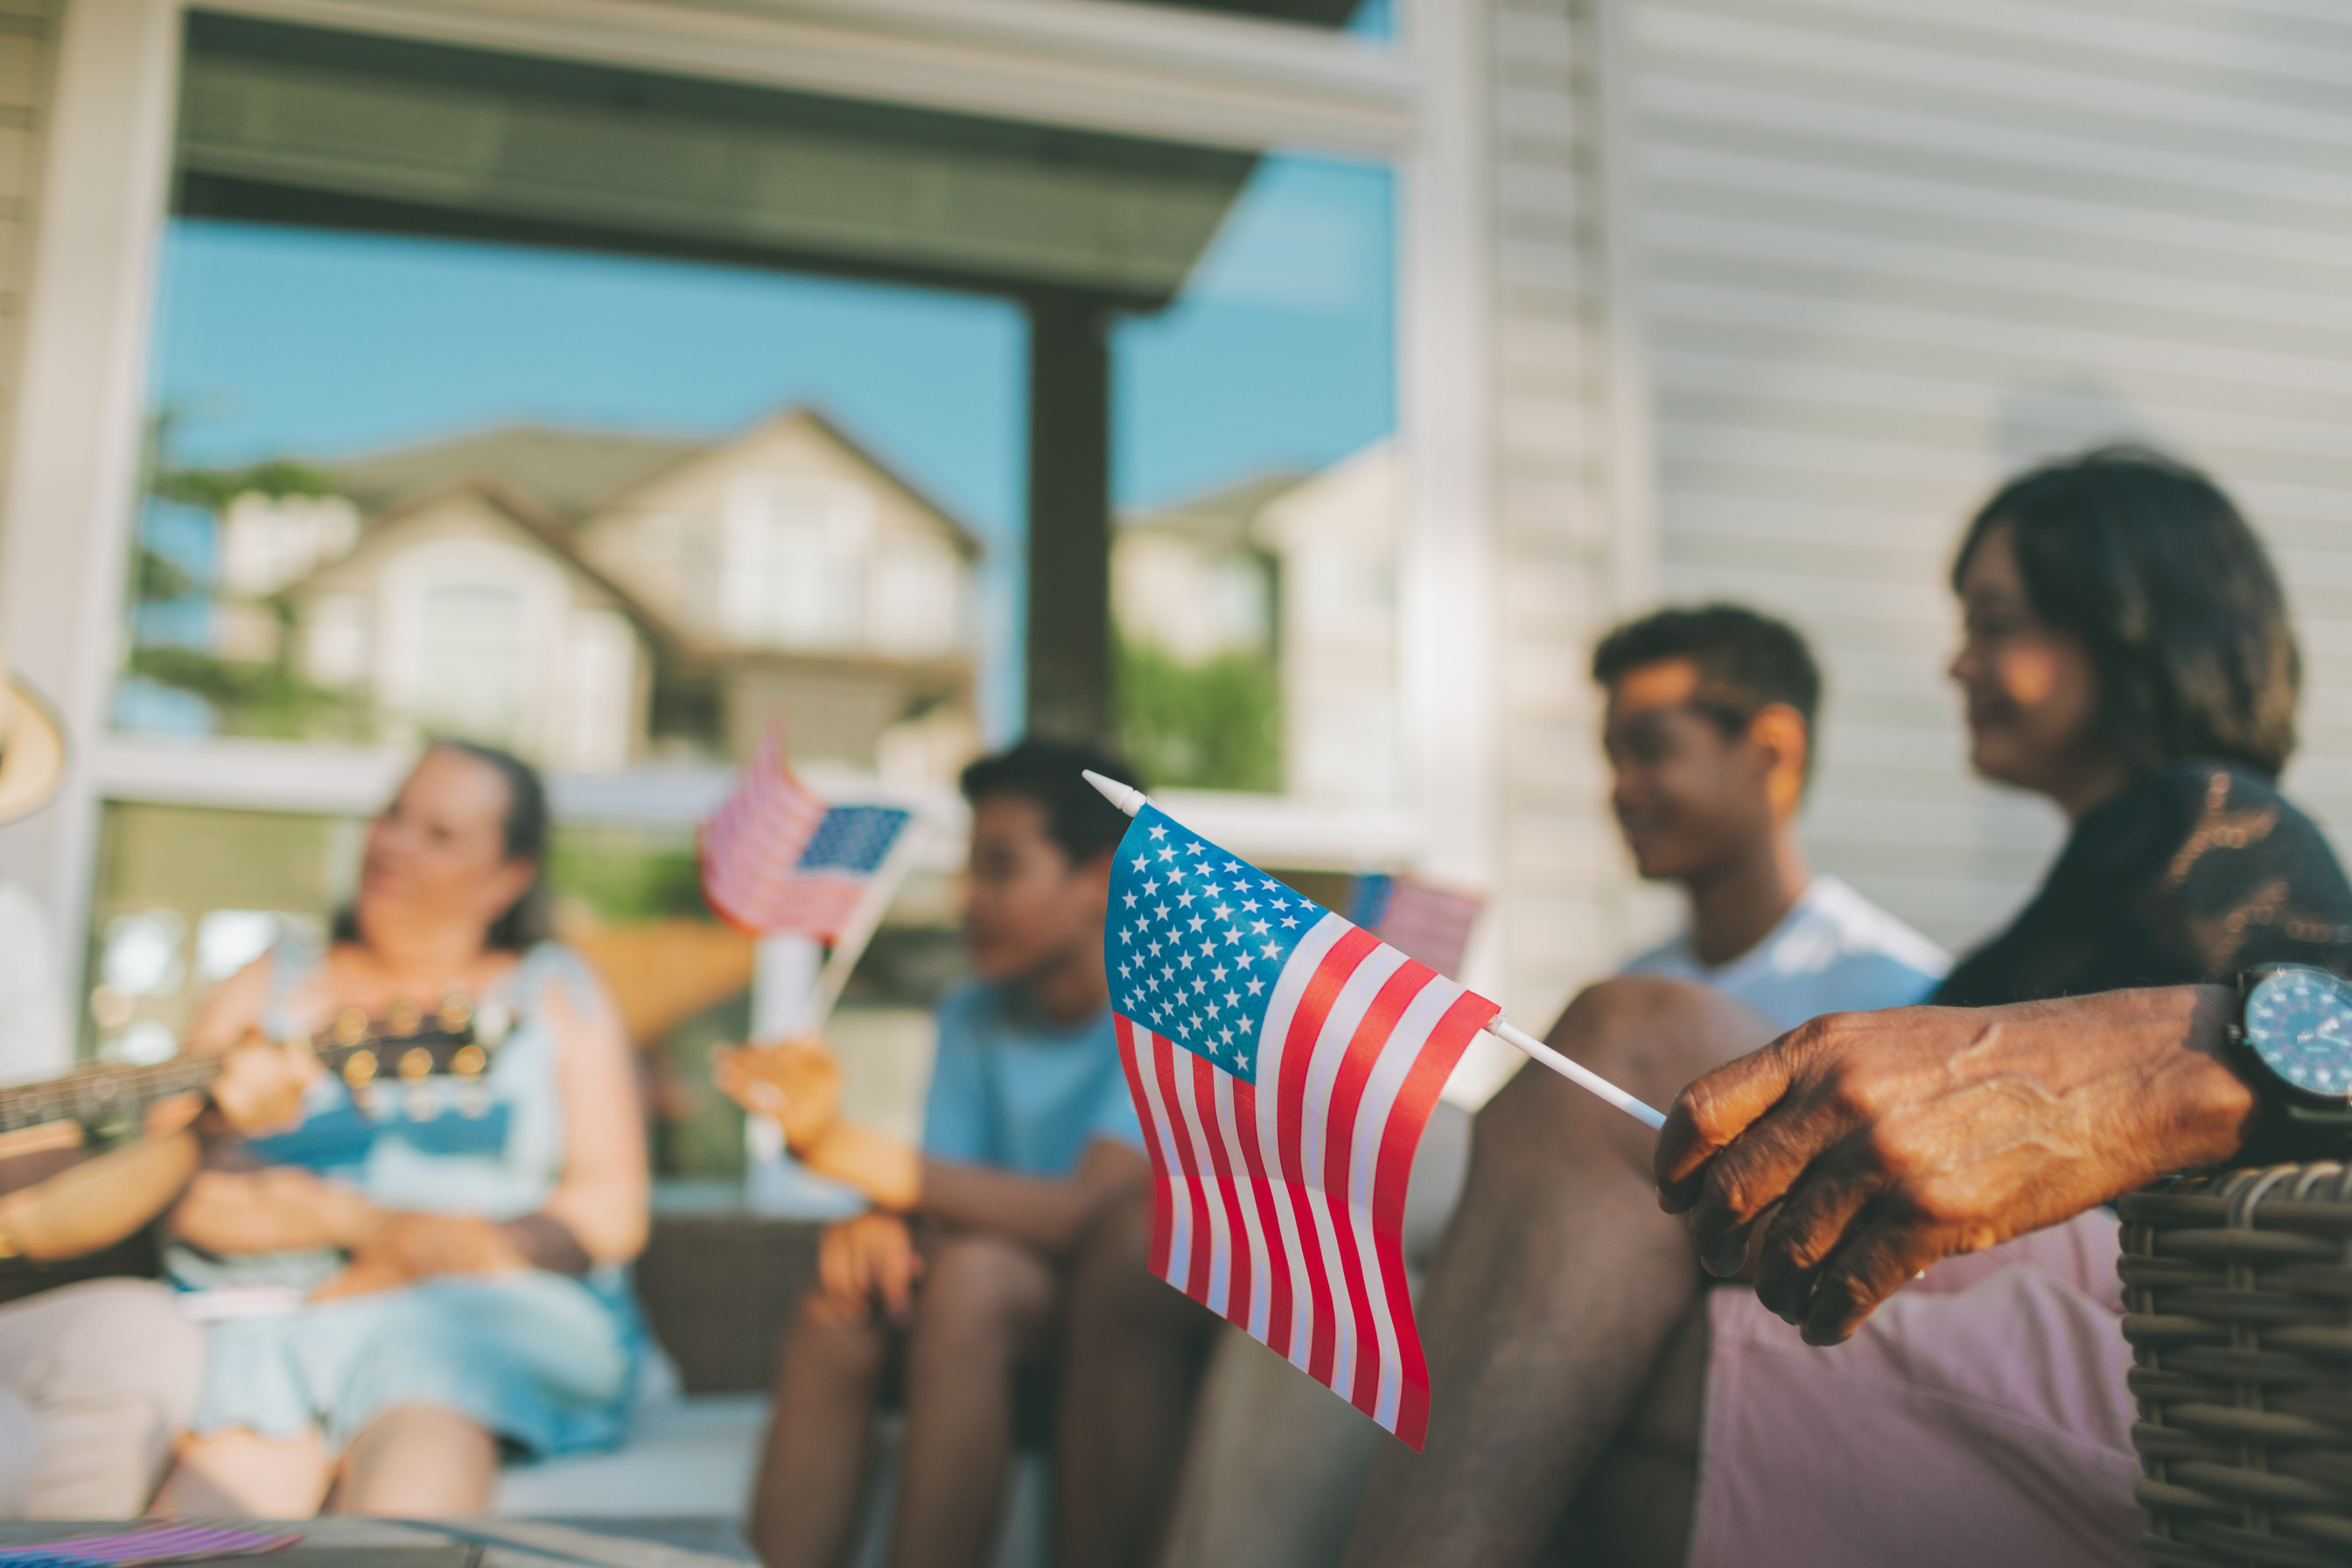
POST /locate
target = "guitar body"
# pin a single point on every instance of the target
(45, 1128)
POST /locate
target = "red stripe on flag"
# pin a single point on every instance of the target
(1392, 1179)
(1396, 993)
(1161, 1221)
(1322, 990)
(1196, 1264)
(1219, 1131)
(1277, 1284)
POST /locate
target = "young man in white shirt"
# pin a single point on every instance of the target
(1710, 738)
(1709, 732)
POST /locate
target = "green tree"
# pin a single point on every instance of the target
(1213, 725)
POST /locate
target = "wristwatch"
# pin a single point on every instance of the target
(2293, 1036)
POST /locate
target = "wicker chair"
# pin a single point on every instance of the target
(2240, 1294)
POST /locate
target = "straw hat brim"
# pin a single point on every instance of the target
(35, 758)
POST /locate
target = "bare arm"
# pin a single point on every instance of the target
(1049, 1214)
(604, 1195)
(97, 1204)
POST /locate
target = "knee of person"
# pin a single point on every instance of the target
(1119, 1238)
(130, 1333)
(975, 1282)
(1650, 1035)
(834, 1340)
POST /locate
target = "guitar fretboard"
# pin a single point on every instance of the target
(93, 1094)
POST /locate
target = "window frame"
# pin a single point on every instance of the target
(1417, 103)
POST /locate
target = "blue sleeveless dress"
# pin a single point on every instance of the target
(545, 1362)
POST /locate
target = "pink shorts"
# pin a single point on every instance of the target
(1980, 1416)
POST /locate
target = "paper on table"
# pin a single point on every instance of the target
(169, 1543)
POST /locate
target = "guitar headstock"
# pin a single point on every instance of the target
(408, 1045)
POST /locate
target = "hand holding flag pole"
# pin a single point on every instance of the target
(1131, 800)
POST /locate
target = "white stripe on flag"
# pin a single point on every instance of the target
(1229, 1126)
(1355, 999)
(1221, 1261)
(1147, 1057)
(1398, 1053)
(1305, 958)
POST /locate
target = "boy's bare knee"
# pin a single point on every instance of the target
(981, 1284)
(831, 1341)
(1653, 1036)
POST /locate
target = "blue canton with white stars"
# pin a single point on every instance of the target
(1197, 939)
(852, 839)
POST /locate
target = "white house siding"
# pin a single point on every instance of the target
(1562, 883)
(1894, 250)
(27, 34)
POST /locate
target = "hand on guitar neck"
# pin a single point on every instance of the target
(97, 1202)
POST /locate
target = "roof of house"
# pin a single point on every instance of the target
(565, 473)
(551, 536)
(1223, 517)
(568, 475)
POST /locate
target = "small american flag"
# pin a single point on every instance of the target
(776, 858)
(1284, 1063)
(1432, 924)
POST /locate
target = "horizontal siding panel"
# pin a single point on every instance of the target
(1892, 251)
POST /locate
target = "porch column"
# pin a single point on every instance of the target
(1069, 645)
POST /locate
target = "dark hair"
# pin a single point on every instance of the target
(1052, 773)
(2147, 560)
(529, 920)
(1747, 661)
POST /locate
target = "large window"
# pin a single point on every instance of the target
(614, 418)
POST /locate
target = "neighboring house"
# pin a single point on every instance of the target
(1336, 537)
(1196, 580)
(465, 612)
(815, 582)
(586, 598)
(1298, 570)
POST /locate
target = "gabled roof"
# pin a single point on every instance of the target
(1227, 516)
(964, 539)
(564, 473)
(543, 528)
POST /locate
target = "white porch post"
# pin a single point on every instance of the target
(81, 401)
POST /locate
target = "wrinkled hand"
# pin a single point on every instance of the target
(869, 1262)
(401, 1248)
(1869, 1145)
(795, 1083)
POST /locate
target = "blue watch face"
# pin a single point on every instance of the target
(2299, 1021)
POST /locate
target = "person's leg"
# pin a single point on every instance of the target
(1560, 1288)
(813, 1466)
(20, 1452)
(235, 1473)
(986, 1306)
(419, 1461)
(108, 1369)
(1131, 1360)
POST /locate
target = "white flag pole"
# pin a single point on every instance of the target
(1131, 800)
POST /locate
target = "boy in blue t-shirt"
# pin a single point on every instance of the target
(1027, 1188)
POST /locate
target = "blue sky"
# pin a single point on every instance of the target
(275, 342)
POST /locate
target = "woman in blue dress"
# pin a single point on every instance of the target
(429, 1272)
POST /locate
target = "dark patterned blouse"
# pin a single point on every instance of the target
(2193, 874)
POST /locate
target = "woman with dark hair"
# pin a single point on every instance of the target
(445, 1254)
(2128, 654)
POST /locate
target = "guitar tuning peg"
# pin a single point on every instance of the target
(350, 1026)
(456, 1011)
(402, 1016)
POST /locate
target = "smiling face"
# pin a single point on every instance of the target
(436, 857)
(1028, 907)
(2031, 690)
(1691, 793)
